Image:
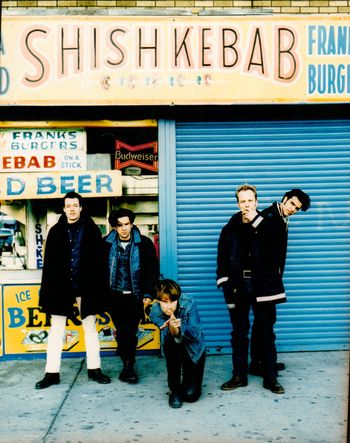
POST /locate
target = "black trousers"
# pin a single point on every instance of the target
(264, 319)
(184, 375)
(126, 312)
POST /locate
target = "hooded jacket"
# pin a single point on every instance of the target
(266, 262)
(144, 267)
(55, 295)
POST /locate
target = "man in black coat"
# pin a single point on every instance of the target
(133, 272)
(277, 215)
(74, 272)
(248, 273)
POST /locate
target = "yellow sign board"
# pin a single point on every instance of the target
(1, 330)
(26, 328)
(89, 60)
(104, 183)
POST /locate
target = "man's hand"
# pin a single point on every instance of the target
(249, 215)
(146, 302)
(173, 324)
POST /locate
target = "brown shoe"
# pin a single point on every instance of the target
(234, 383)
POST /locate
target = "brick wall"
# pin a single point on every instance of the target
(276, 6)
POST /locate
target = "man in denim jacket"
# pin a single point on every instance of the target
(182, 341)
(133, 271)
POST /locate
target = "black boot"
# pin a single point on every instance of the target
(175, 400)
(128, 373)
(99, 376)
(51, 378)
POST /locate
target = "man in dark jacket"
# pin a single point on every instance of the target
(277, 215)
(248, 273)
(73, 272)
(133, 272)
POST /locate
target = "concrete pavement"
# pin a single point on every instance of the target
(314, 408)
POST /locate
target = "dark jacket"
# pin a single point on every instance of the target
(267, 275)
(55, 293)
(144, 266)
(279, 226)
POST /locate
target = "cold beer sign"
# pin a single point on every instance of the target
(104, 183)
(33, 150)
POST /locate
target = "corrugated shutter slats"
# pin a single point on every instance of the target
(212, 159)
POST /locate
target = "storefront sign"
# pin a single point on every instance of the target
(174, 60)
(42, 150)
(1, 330)
(26, 328)
(55, 185)
(39, 244)
(141, 156)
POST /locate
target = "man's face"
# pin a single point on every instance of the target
(124, 228)
(290, 206)
(72, 209)
(246, 201)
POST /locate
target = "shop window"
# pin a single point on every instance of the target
(13, 251)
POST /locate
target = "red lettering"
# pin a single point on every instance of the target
(6, 162)
(33, 161)
(49, 161)
(19, 162)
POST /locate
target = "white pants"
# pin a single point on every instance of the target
(55, 342)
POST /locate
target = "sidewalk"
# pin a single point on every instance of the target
(313, 409)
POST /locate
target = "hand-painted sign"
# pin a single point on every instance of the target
(26, 327)
(29, 185)
(37, 150)
(174, 60)
(143, 156)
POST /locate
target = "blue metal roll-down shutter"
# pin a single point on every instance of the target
(212, 159)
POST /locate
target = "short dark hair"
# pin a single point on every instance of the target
(73, 194)
(246, 187)
(302, 197)
(168, 287)
(119, 213)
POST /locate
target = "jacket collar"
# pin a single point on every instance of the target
(135, 236)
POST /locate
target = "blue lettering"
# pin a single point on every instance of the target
(15, 186)
(311, 39)
(4, 80)
(17, 318)
(84, 184)
(103, 181)
(322, 34)
(67, 184)
(340, 79)
(46, 185)
(311, 79)
(103, 319)
(331, 50)
(331, 79)
(342, 40)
